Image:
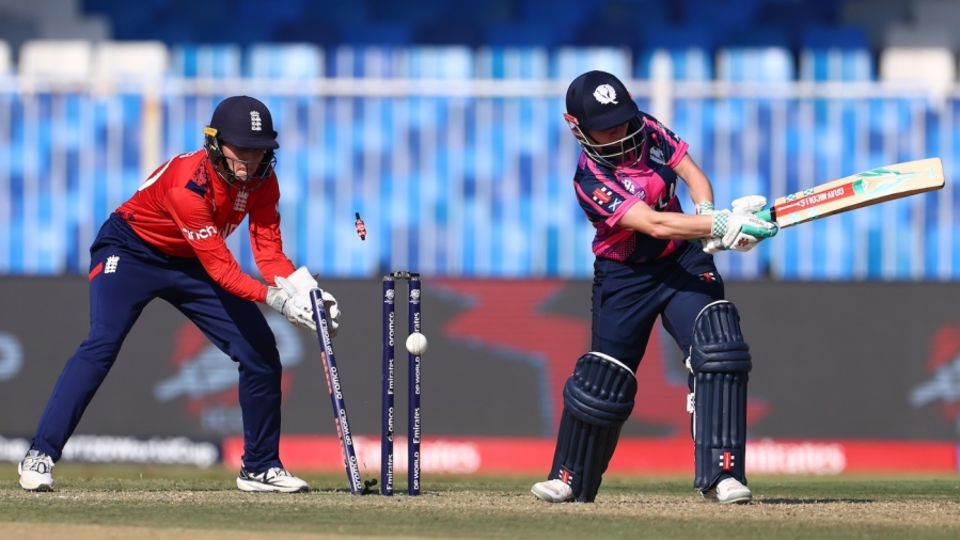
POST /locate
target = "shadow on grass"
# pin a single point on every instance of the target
(793, 501)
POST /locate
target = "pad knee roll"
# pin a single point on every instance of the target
(598, 398)
(720, 361)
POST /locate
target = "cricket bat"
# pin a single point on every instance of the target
(862, 189)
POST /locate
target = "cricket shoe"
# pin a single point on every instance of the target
(275, 479)
(555, 491)
(36, 471)
(729, 490)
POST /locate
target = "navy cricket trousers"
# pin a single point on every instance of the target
(126, 274)
(628, 298)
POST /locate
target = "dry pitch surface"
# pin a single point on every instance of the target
(160, 503)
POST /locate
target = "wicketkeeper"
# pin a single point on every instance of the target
(167, 241)
(652, 260)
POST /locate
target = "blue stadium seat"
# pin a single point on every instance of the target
(688, 64)
(288, 61)
(424, 62)
(437, 62)
(361, 61)
(562, 16)
(721, 16)
(569, 62)
(415, 13)
(836, 64)
(377, 34)
(793, 13)
(441, 32)
(762, 64)
(273, 13)
(522, 34)
(512, 63)
(751, 37)
(830, 37)
(206, 61)
(673, 36)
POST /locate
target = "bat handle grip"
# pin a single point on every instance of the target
(767, 214)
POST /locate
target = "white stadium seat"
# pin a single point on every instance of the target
(131, 61)
(932, 67)
(56, 59)
(5, 63)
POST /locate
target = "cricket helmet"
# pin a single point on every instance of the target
(598, 101)
(243, 122)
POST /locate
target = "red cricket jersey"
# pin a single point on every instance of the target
(184, 210)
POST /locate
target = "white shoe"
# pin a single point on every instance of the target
(554, 491)
(36, 471)
(273, 479)
(729, 491)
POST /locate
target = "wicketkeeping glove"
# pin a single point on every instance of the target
(300, 283)
(296, 309)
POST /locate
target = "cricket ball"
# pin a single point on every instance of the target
(417, 343)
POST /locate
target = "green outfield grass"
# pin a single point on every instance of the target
(159, 502)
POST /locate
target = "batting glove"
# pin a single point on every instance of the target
(740, 229)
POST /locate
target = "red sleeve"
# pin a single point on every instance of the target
(195, 219)
(265, 238)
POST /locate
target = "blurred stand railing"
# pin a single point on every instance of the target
(472, 177)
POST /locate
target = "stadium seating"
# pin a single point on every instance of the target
(6, 64)
(284, 61)
(206, 61)
(555, 23)
(61, 59)
(463, 123)
(935, 67)
(141, 62)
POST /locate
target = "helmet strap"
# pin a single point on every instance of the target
(222, 167)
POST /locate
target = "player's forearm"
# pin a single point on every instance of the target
(697, 182)
(666, 225)
(669, 225)
(700, 192)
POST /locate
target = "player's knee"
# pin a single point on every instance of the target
(718, 343)
(601, 390)
(270, 362)
(101, 344)
(261, 361)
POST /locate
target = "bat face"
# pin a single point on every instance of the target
(862, 189)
